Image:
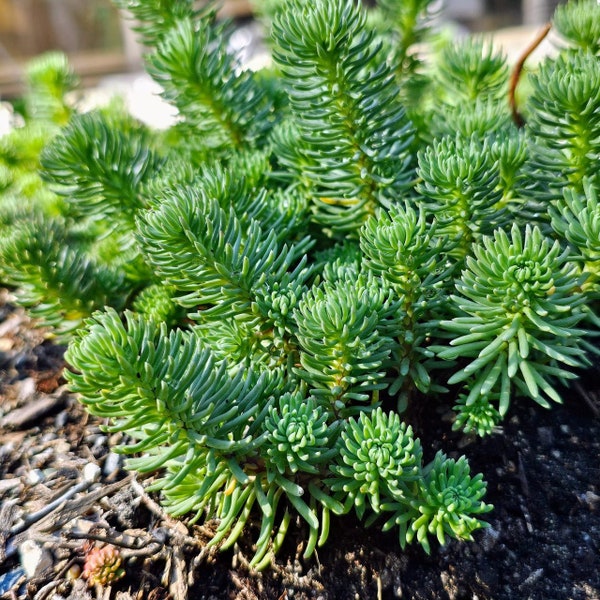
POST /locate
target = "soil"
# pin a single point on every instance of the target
(543, 474)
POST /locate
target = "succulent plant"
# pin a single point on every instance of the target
(103, 565)
(270, 297)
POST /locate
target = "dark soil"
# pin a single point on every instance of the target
(543, 543)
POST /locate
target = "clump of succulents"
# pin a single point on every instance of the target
(103, 565)
(260, 295)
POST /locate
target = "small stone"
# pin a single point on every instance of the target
(74, 572)
(61, 419)
(35, 476)
(26, 388)
(91, 472)
(35, 559)
(533, 577)
(489, 538)
(41, 458)
(546, 436)
(112, 463)
(591, 499)
(84, 525)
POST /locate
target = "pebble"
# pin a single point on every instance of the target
(10, 579)
(6, 450)
(42, 457)
(489, 538)
(26, 388)
(74, 572)
(533, 577)
(591, 499)
(112, 463)
(35, 476)
(91, 472)
(35, 559)
(546, 436)
(61, 419)
(98, 444)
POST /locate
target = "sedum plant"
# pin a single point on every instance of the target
(268, 297)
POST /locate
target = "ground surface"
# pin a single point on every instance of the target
(543, 477)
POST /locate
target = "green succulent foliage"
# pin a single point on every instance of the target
(157, 302)
(296, 262)
(381, 468)
(354, 132)
(486, 117)
(48, 81)
(449, 502)
(578, 22)
(226, 108)
(480, 417)
(343, 342)
(300, 437)
(460, 184)
(403, 248)
(23, 189)
(98, 164)
(577, 219)
(49, 78)
(519, 304)
(509, 148)
(405, 24)
(57, 282)
(209, 254)
(564, 121)
(378, 459)
(469, 70)
(465, 93)
(156, 17)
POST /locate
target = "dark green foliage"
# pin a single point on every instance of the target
(256, 296)
(565, 122)
(98, 164)
(576, 217)
(353, 129)
(578, 23)
(519, 306)
(156, 17)
(460, 180)
(343, 347)
(470, 70)
(60, 283)
(199, 77)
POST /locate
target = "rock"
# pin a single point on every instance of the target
(35, 559)
(112, 464)
(35, 476)
(489, 538)
(91, 472)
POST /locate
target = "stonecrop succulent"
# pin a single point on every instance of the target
(103, 565)
(272, 297)
(522, 303)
